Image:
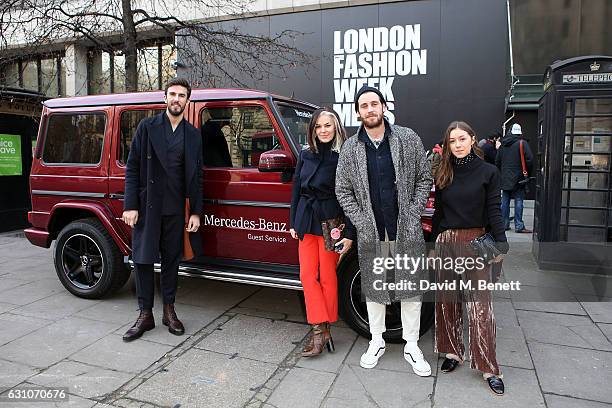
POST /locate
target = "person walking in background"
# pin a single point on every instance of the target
(466, 205)
(383, 182)
(489, 146)
(313, 205)
(509, 161)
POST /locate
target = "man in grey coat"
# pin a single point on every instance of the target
(383, 180)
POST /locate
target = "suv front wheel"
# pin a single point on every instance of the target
(353, 308)
(87, 260)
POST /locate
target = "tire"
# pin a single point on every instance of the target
(87, 260)
(354, 312)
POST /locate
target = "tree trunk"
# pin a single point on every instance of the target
(130, 47)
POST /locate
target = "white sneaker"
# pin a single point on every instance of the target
(414, 355)
(369, 359)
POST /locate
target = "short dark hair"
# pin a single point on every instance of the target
(180, 82)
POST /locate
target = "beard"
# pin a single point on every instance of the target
(373, 121)
(175, 109)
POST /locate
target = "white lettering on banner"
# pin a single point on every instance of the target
(374, 56)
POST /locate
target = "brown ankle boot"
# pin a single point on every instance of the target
(316, 343)
(144, 323)
(174, 324)
(327, 338)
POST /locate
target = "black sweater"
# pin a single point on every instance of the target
(471, 200)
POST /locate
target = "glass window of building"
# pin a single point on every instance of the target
(168, 54)
(100, 72)
(148, 67)
(49, 77)
(119, 72)
(9, 75)
(30, 75)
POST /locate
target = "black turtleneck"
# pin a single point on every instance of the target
(471, 200)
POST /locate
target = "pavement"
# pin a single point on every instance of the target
(242, 346)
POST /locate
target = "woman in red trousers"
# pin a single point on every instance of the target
(313, 201)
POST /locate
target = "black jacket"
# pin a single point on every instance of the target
(508, 161)
(313, 197)
(489, 150)
(145, 177)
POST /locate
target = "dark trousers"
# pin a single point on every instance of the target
(171, 249)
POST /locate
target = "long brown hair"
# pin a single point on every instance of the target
(339, 136)
(444, 175)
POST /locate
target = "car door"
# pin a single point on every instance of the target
(126, 120)
(246, 211)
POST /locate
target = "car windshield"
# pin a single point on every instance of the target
(296, 119)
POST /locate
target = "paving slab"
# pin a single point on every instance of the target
(82, 379)
(113, 353)
(15, 326)
(359, 387)
(599, 309)
(574, 372)
(301, 388)
(31, 292)
(569, 330)
(606, 329)
(511, 348)
(55, 342)
(12, 374)
(597, 285)
(332, 362)
(7, 283)
(55, 307)
(256, 338)
(279, 303)
(557, 401)
(201, 378)
(466, 388)
(215, 294)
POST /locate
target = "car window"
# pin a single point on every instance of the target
(296, 119)
(236, 136)
(74, 138)
(129, 122)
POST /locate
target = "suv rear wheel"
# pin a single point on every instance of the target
(87, 260)
(354, 311)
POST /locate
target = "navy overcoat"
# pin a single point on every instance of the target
(145, 178)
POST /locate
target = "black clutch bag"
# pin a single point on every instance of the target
(484, 247)
(332, 232)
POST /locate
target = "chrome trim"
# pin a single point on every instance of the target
(267, 204)
(68, 193)
(195, 272)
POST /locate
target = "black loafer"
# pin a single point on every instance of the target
(496, 384)
(449, 365)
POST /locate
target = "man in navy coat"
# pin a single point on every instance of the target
(163, 171)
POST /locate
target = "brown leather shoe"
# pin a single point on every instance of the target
(174, 324)
(145, 322)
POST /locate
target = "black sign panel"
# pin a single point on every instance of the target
(435, 61)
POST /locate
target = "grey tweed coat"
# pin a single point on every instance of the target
(413, 180)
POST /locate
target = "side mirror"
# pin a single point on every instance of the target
(275, 161)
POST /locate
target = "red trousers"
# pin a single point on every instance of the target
(318, 276)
